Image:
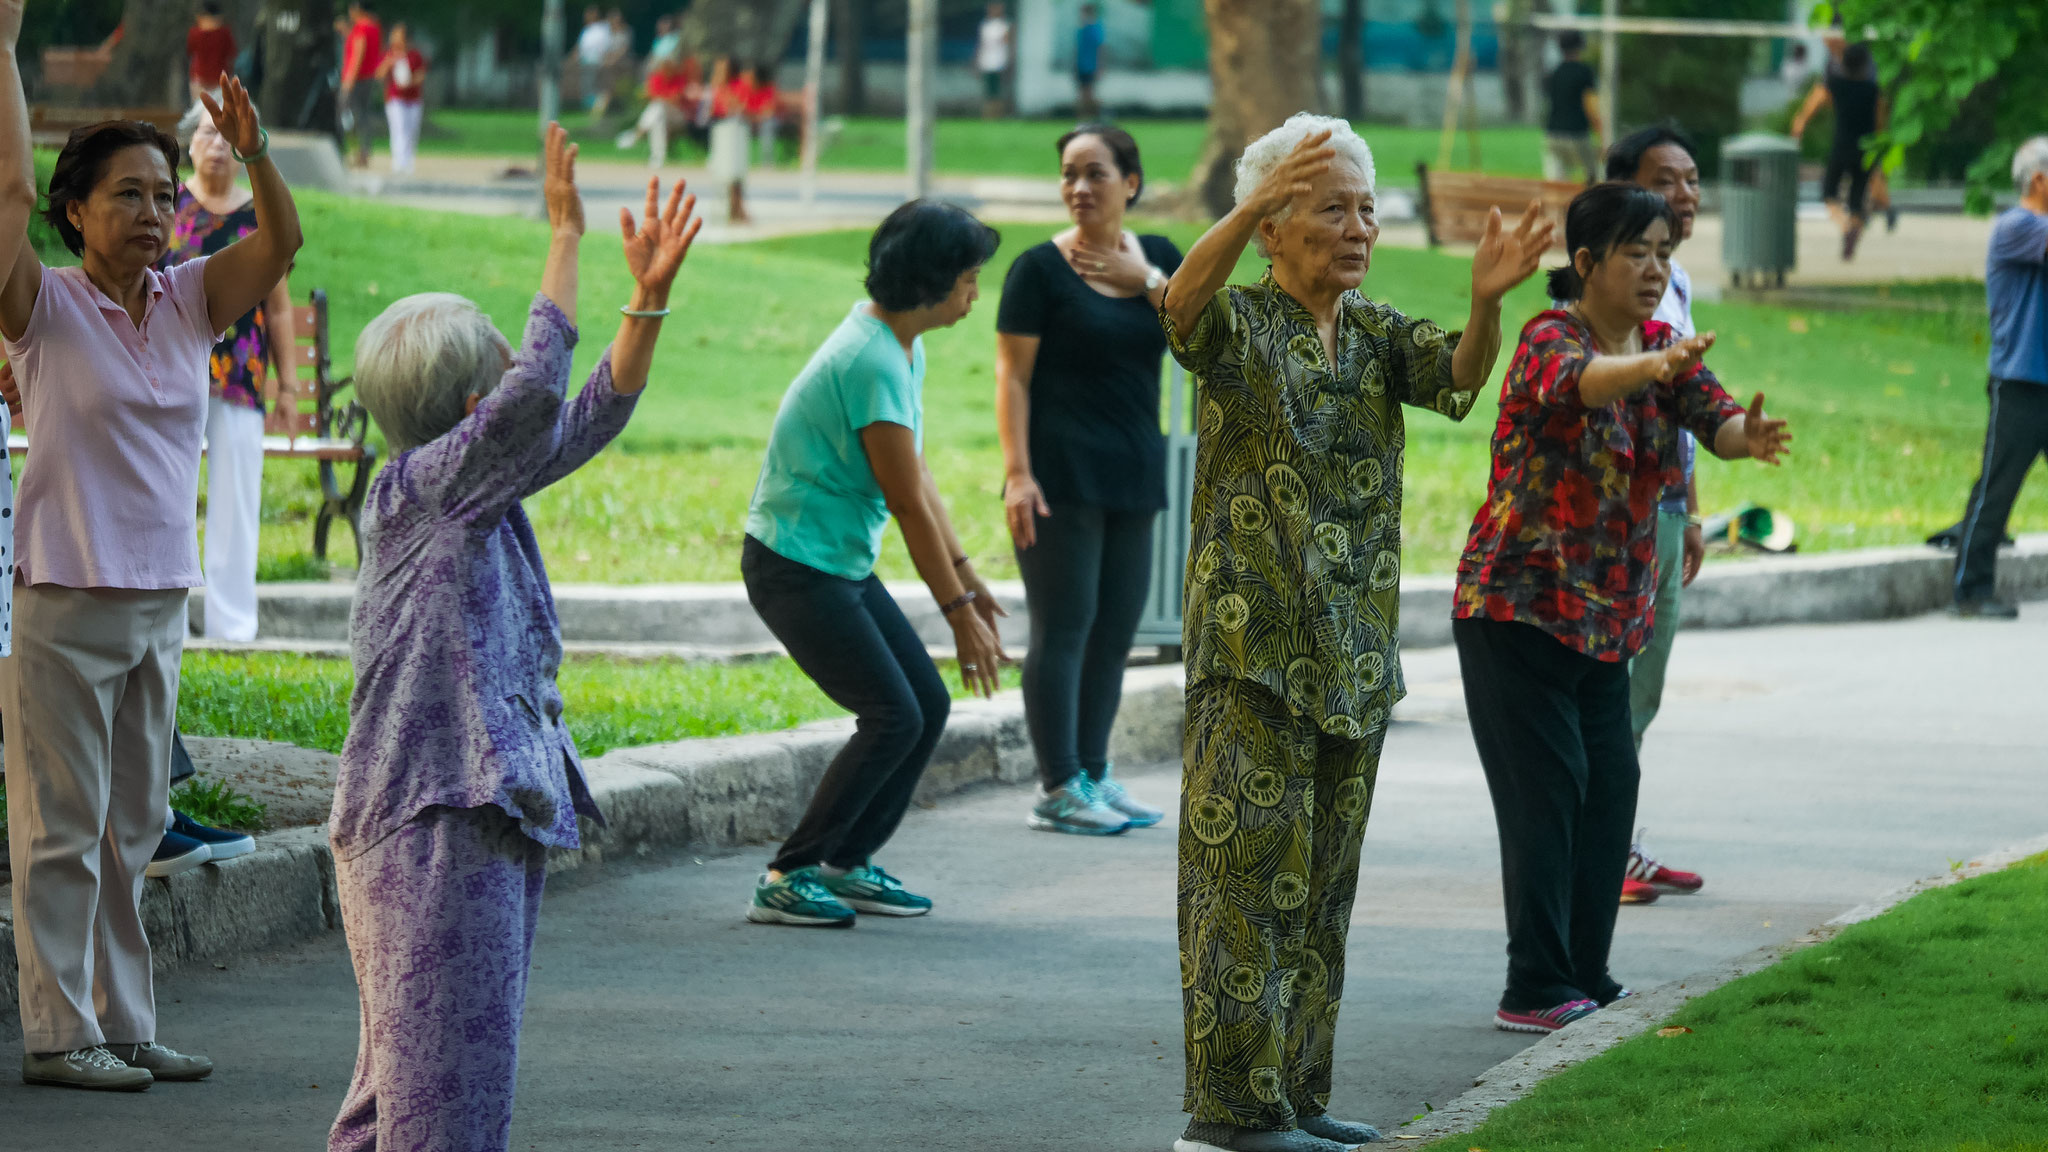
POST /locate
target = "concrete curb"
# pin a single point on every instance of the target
(1820, 587)
(715, 794)
(1518, 1075)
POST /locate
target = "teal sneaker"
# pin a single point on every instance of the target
(869, 889)
(1112, 794)
(798, 898)
(1075, 809)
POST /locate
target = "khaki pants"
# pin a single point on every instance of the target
(90, 700)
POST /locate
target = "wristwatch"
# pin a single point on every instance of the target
(1154, 279)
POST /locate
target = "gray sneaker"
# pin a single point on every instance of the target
(1112, 794)
(92, 1068)
(1202, 1137)
(162, 1062)
(1075, 809)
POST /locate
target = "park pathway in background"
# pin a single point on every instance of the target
(1803, 770)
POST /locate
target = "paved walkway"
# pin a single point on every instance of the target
(1802, 769)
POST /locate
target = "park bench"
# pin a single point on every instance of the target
(51, 124)
(340, 429)
(1455, 204)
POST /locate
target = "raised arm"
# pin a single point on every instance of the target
(18, 259)
(1502, 260)
(243, 273)
(1208, 264)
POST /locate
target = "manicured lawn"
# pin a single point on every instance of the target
(1888, 406)
(1924, 1028)
(303, 700)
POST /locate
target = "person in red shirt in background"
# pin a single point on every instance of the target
(730, 90)
(668, 86)
(761, 108)
(210, 44)
(361, 52)
(404, 72)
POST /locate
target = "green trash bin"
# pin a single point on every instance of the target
(1759, 208)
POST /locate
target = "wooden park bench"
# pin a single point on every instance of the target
(51, 124)
(1455, 204)
(340, 429)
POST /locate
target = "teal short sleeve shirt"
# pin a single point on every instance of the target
(817, 501)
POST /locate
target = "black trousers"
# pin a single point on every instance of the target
(1085, 582)
(1552, 726)
(850, 637)
(2016, 433)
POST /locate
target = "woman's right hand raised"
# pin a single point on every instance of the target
(1023, 503)
(979, 649)
(1293, 176)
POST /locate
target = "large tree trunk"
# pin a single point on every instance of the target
(851, 18)
(1265, 60)
(750, 30)
(149, 66)
(299, 61)
(1351, 58)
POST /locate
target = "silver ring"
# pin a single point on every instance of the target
(970, 667)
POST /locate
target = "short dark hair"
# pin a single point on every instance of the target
(83, 163)
(1626, 156)
(1122, 148)
(1601, 219)
(1571, 41)
(921, 251)
(210, 8)
(1857, 61)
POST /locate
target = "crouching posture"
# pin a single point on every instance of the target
(458, 774)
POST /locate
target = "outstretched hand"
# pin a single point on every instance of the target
(234, 117)
(1683, 356)
(558, 187)
(656, 246)
(1765, 437)
(1505, 259)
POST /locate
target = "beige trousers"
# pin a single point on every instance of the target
(90, 699)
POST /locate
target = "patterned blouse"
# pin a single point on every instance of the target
(1294, 568)
(1567, 538)
(240, 360)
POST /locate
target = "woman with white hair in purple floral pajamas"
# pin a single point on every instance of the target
(458, 774)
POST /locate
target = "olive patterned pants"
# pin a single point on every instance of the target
(1272, 818)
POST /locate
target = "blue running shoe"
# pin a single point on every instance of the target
(869, 889)
(221, 844)
(798, 899)
(177, 853)
(1075, 809)
(1113, 795)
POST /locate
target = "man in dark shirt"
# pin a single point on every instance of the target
(1574, 113)
(1851, 86)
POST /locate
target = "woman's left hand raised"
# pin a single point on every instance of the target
(1505, 259)
(656, 246)
(558, 185)
(234, 117)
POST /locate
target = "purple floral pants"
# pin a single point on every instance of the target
(440, 918)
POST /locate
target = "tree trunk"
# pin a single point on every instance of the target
(149, 67)
(851, 18)
(1265, 59)
(1351, 58)
(749, 30)
(300, 59)
(1520, 53)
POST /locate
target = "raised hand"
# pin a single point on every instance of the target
(1294, 176)
(558, 186)
(234, 117)
(1506, 258)
(1683, 356)
(656, 246)
(1766, 438)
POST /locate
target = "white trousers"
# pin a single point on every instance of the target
(657, 120)
(234, 513)
(404, 116)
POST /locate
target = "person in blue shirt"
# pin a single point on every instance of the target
(1087, 62)
(2016, 289)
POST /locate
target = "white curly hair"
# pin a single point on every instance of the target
(1261, 156)
(2029, 160)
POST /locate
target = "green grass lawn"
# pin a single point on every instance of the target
(1924, 1028)
(969, 147)
(610, 703)
(1888, 406)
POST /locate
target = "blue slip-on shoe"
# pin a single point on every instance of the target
(1113, 795)
(1349, 1132)
(1075, 809)
(221, 843)
(799, 899)
(869, 889)
(177, 853)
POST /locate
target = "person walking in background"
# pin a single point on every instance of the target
(593, 48)
(730, 143)
(1573, 118)
(668, 86)
(1293, 611)
(846, 455)
(761, 104)
(1556, 589)
(112, 358)
(667, 42)
(361, 52)
(1660, 158)
(2016, 293)
(210, 50)
(992, 59)
(404, 73)
(1087, 62)
(1078, 351)
(1850, 85)
(616, 68)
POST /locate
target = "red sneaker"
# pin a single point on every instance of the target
(1634, 891)
(1544, 1019)
(1645, 869)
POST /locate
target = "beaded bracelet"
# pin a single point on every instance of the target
(958, 602)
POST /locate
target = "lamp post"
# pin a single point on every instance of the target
(814, 77)
(922, 88)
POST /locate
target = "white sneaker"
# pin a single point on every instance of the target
(92, 1068)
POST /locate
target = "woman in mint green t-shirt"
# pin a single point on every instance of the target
(846, 454)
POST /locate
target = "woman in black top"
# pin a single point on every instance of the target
(1078, 354)
(1851, 86)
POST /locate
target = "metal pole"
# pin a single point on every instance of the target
(814, 78)
(921, 51)
(550, 76)
(1610, 73)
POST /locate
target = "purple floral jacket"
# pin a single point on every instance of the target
(454, 634)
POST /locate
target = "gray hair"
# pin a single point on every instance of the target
(419, 362)
(2029, 161)
(1261, 156)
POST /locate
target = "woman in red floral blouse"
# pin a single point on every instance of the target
(1557, 586)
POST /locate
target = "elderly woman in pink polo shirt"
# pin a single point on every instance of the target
(111, 358)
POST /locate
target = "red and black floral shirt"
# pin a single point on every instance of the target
(1567, 538)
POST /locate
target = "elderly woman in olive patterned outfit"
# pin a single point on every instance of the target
(1292, 595)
